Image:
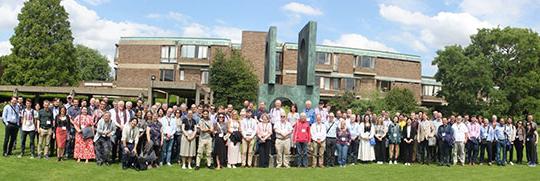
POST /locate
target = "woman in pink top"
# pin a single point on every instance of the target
(264, 131)
(301, 138)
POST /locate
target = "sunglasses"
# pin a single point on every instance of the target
(221, 117)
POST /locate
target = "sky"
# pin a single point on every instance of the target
(418, 27)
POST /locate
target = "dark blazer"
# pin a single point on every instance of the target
(404, 133)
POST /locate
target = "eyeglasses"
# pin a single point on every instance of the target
(221, 117)
(282, 116)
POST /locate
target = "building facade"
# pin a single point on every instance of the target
(180, 67)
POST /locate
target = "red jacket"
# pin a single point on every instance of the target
(301, 133)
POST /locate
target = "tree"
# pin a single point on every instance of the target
(400, 100)
(43, 51)
(91, 64)
(232, 79)
(498, 73)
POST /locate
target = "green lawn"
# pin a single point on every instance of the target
(13, 168)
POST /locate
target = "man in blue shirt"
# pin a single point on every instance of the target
(10, 116)
(310, 113)
(501, 139)
(486, 136)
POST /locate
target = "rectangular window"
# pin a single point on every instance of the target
(168, 54)
(181, 74)
(335, 66)
(336, 83)
(384, 86)
(430, 90)
(324, 58)
(324, 83)
(193, 51)
(365, 62)
(115, 73)
(204, 77)
(166, 75)
(350, 84)
(117, 53)
(279, 79)
(279, 61)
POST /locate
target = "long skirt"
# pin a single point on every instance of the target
(220, 150)
(366, 151)
(84, 148)
(233, 153)
(61, 137)
(187, 148)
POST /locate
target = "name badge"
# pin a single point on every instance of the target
(443, 134)
(343, 139)
(395, 135)
(64, 128)
(130, 141)
(83, 126)
(141, 130)
(48, 122)
(249, 134)
(189, 131)
(220, 135)
(527, 139)
(303, 130)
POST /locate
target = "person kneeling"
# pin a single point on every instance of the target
(129, 142)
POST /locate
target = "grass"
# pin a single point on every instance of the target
(13, 168)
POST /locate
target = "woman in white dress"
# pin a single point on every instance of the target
(366, 153)
(233, 150)
(293, 116)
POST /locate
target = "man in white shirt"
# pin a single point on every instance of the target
(276, 112)
(331, 129)
(248, 128)
(28, 122)
(460, 134)
(168, 129)
(318, 137)
(283, 130)
(120, 117)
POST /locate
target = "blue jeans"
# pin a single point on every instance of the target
(302, 154)
(342, 153)
(166, 151)
(501, 149)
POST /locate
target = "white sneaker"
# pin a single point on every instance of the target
(184, 167)
(234, 166)
(390, 163)
(189, 167)
(395, 162)
(169, 164)
(511, 163)
(229, 166)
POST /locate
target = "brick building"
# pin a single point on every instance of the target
(180, 67)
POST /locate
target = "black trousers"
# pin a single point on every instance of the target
(329, 157)
(103, 150)
(472, 152)
(70, 143)
(32, 135)
(493, 151)
(519, 150)
(423, 151)
(510, 149)
(445, 153)
(128, 157)
(117, 146)
(353, 152)
(486, 146)
(380, 149)
(264, 153)
(532, 156)
(9, 138)
(407, 152)
(175, 153)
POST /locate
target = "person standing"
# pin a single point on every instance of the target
(510, 131)
(264, 131)
(233, 143)
(120, 117)
(519, 141)
(129, 141)
(460, 136)
(473, 141)
(354, 130)
(220, 132)
(487, 136)
(283, 130)
(103, 139)
(366, 153)
(45, 123)
(28, 122)
(380, 140)
(310, 113)
(153, 140)
(175, 157)
(205, 141)
(502, 140)
(187, 149)
(248, 130)
(84, 147)
(426, 132)
(275, 113)
(318, 137)
(73, 111)
(409, 133)
(394, 139)
(343, 142)
(168, 130)
(62, 127)
(531, 141)
(331, 125)
(445, 133)
(301, 137)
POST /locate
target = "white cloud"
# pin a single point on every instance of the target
(5, 48)
(8, 11)
(436, 31)
(195, 30)
(96, 2)
(357, 41)
(153, 16)
(300, 8)
(499, 11)
(233, 33)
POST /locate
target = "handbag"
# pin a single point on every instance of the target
(432, 141)
(372, 141)
(87, 132)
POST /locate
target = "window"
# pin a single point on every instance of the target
(117, 53)
(204, 77)
(364, 61)
(336, 83)
(324, 83)
(430, 90)
(349, 84)
(279, 79)
(384, 86)
(193, 51)
(166, 75)
(181, 74)
(279, 61)
(324, 58)
(115, 73)
(168, 54)
(336, 63)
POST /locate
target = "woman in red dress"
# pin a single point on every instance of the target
(84, 148)
(62, 125)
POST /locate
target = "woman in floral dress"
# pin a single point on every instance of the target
(84, 148)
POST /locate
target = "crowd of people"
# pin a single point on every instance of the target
(140, 136)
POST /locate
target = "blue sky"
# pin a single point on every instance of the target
(419, 27)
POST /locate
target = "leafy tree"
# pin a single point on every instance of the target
(43, 51)
(400, 100)
(91, 64)
(232, 79)
(498, 73)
